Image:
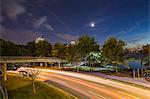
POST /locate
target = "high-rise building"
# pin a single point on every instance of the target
(72, 42)
(38, 39)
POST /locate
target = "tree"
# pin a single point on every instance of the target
(59, 50)
(32, 48)
(54, 53)
(72, 54)
(113, 51)
(94, 58)
(33, 73)
(86, 45)
(8, 48)
(43, 48)
(145, 54)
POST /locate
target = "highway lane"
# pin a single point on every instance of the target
(85, 89)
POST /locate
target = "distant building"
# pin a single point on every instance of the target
(38, 39)
(134, 49)
(72, 42)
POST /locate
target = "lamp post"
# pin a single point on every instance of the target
(133, 73)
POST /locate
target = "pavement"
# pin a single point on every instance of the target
(86, 86)
(137, 81)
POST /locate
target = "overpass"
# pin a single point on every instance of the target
(25, 59)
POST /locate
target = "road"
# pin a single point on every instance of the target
(138, 81)
(90, 87)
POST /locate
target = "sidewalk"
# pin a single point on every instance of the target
(137, 81)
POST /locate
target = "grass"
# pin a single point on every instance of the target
(21, 88)
(1, 95)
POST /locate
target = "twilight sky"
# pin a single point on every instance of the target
(64, 20)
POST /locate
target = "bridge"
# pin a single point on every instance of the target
(4, 60)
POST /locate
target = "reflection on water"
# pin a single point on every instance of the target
(134, 65)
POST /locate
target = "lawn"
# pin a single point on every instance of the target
(21, 88)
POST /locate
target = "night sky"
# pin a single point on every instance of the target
(64, 20)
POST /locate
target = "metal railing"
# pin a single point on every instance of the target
(24, 57)
(28, 58)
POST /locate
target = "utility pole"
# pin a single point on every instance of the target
(46, 64)
(5, 70)
(138, 72)
(59, 65)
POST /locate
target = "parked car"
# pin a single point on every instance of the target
(13, 67)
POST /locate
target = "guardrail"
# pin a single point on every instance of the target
(23, 57)
(28, 58)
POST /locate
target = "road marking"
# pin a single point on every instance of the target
(97, 94)
(101, 85)
(129, 95)
(60, 81)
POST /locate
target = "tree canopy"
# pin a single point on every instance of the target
(113, 51)
(8, 48)
(86, 45)
(43, 48)
(95, 57)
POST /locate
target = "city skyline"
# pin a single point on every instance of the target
(65, 20)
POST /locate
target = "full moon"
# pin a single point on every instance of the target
(92, 24)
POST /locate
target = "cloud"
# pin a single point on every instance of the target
(19, 37)
(132, 28)
(1, 18)
(13, 8)
(137, 39)
(65, 36)
(58, 19)
(24, 36)
(39, 22)
(49, 27)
